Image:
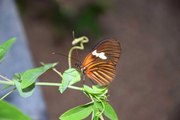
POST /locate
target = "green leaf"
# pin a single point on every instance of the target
(108, 110)
(4, 48)
(70, 76)
(9, 112)
(24, 92)
(96, 118)
(30, 76)
(95, 113)
(99, 88)
(25, 82)
(95, 90)
(77, 113)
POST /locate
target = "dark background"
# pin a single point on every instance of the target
(147, 84)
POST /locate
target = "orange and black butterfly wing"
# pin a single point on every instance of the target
(102, 70)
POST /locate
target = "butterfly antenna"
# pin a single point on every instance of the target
(57, 53)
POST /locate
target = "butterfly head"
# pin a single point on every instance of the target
(79, 66)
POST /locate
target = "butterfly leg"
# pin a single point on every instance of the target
(83, 78)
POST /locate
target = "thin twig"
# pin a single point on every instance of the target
(59, 73)
(7, 82)
(57, 84)
(5, 78)
(101, 117)
(7, 94)
(43, 84)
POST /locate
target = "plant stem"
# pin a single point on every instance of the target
(82, 40)
(101, 117)
(47, 84)
(59, 73)
(43, 84)
(7, 82)
(4, 78)
(57, 84)
(7, 94)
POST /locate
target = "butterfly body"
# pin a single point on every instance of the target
(100, 64)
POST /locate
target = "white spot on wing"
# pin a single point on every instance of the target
(101, 55)
(94, 53)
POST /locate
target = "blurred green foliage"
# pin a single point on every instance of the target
(10, 112)
(85, 21)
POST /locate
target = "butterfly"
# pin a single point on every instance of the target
(100, 64)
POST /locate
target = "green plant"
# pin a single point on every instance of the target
(26, 82)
